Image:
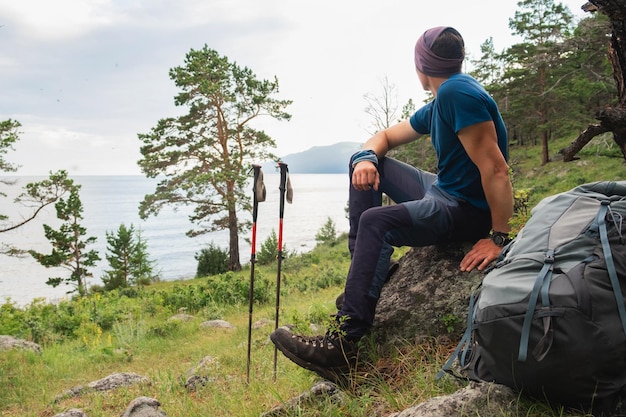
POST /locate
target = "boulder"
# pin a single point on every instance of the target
(427, 297)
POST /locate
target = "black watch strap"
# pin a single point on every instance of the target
(501, 239)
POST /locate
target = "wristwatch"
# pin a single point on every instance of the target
(501, 239)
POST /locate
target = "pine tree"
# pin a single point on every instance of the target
(534, 71)
(69, 245)
(127, 255)
(204, 156)
(141, 266)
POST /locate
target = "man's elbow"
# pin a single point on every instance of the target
(496, 171)
(501, 170)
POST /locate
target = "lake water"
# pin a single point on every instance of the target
(109, 201)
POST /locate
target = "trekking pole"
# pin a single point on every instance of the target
(285, 188)
(258, 195)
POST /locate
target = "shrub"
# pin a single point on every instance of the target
(11, 320)
(269, 250)
(165, 329)
(328, 233)
(231, 288)
(211, 261)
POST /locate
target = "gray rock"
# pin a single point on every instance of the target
(262, 323)
(318, 394)
(181, 317)
(200, 375)
(144, 407)
(110, 382)
(10, 342)
(427, 297)
(196, 381)
(484, 399)
(71, 413)
(114, 381)
(221, 324)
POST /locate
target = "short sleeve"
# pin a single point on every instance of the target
(421, 119)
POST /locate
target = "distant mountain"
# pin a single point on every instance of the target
(331, 159)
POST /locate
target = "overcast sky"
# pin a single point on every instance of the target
(84, 77)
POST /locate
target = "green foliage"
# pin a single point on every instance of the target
(534, 68)
(420, 154)
(211, 261)
(142, 268)
(12, 320)
(127, 255)
(129, 330)
(168, 328)
(35, 197)
(320, 278)
(451, 322)
(232, 289)
(317, 319)
(555, 80)
(226, 289)
(9, 134)
(328, 233)
(268, 252)
(68, 246)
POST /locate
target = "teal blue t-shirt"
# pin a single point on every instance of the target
(461, 101)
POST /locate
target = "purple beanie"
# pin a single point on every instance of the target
(431, 64)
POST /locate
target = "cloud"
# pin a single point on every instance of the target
(82, 73)
(51, 21)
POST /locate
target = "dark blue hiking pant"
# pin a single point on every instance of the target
(423, 215)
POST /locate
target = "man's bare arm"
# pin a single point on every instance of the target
(481, 144)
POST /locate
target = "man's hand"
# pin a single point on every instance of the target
(481, 255)
(365, 176)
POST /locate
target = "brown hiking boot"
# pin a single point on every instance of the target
(331, 356)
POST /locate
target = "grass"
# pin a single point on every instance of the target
(144, 343)
(599, 161)
(133, 334)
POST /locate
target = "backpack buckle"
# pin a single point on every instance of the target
(549, 258)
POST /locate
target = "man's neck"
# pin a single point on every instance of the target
(434, 83)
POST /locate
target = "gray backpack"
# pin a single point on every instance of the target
(549, 319)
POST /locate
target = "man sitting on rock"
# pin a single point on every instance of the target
(470, 195)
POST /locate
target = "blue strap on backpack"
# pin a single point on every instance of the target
(605, 208)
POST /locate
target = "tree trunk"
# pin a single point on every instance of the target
(569, 153)
(612, 119)
(545, 154)
(233, 262)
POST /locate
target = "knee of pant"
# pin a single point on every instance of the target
(369, 216)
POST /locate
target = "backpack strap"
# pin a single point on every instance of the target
(464, 345)
(610, 264)
(542, 281)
